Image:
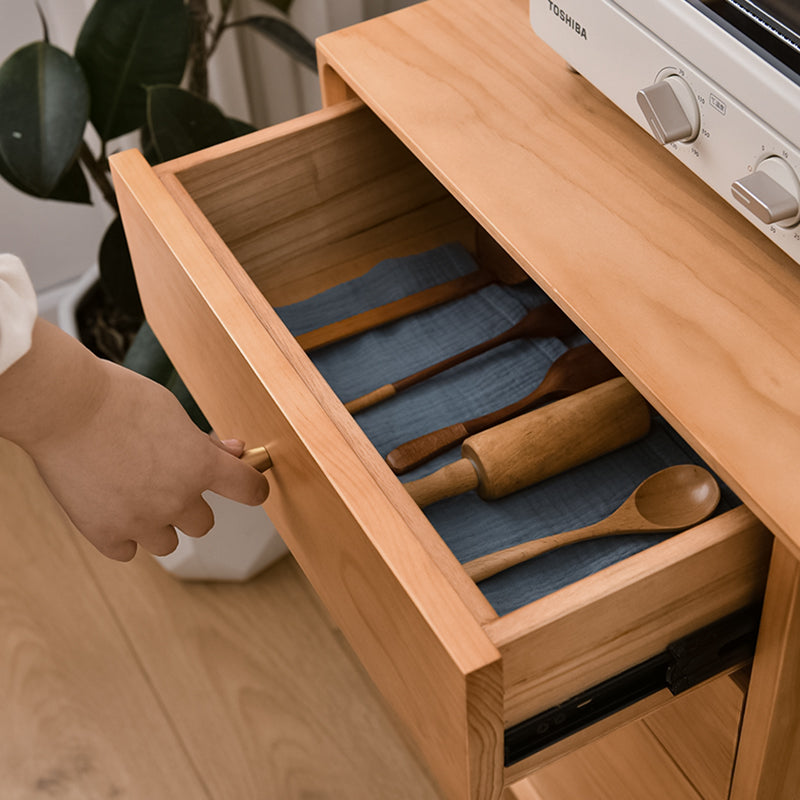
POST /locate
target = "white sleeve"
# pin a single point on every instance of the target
(17, 310)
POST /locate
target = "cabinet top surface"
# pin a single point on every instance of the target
(693, 303)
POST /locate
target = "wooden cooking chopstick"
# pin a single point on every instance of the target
(397, 309)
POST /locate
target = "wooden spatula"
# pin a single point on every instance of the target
(574, 371)
(544, 320)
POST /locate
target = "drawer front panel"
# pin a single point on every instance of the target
(592, 630)
(425, 652)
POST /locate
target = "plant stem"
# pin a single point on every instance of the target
(98, 175)
(198, 52)
(219, 29)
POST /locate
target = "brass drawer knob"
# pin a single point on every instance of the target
(257, 457)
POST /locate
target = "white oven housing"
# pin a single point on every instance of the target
(746, 110)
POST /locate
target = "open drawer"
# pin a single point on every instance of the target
(221, 237)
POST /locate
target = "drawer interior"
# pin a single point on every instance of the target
(327, 217)
(470, 525)
(323, 204)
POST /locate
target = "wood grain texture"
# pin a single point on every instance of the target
(700, 732)
(66, 697)
(533, 153)
(548, 441)
(323, 198)
(333, 89)
(397, 309)
(572, 373)
(422, 647)
(313, 201)
(683, 750)
(544, 320)
(628, 764)
(263, 316)
(676, 491)
(768, 761)
(557, 437)
(258, 664)
(120, 681)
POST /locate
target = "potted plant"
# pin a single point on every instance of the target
(138, 66)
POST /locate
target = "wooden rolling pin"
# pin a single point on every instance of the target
(541, 443)
(573, 371)
(544, 320)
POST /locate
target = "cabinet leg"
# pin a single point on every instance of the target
(768, 758)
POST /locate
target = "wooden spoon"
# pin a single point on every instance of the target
(574, 371)
(544, 320)
(670, 500)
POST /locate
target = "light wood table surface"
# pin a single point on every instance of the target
(117, 680)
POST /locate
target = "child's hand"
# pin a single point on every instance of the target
(117, 450)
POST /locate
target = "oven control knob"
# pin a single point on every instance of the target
(771, 192)
(671, 110)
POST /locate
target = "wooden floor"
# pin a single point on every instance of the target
(117, 680)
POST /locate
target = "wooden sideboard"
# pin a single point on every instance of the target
(450, 120)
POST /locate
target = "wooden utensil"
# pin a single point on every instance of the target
(670, 500)
(544, 320)
(411, 304)
(541, 443)
(574, 371)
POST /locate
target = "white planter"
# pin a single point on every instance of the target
(243, 541)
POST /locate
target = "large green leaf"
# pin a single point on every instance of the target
(72, 187)
(147, 357)
(45, 104)
(116, 270)
(240, 127)
(124, 46)
(287, 37)
(181, 122)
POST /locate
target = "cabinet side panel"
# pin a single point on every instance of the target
(767, 763)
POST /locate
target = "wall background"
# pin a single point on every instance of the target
(251, 79)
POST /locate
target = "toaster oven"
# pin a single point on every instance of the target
(715, 81)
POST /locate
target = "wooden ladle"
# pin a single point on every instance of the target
(670, 500)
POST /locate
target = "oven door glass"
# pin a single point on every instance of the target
(771, 27)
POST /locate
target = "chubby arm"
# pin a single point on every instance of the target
(116, 450)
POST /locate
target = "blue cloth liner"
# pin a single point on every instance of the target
(469, 525)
